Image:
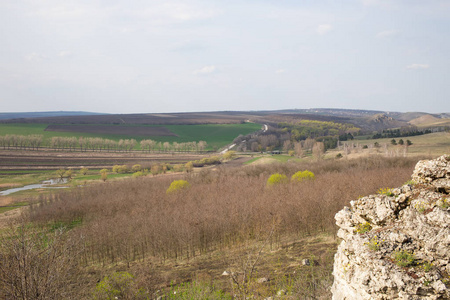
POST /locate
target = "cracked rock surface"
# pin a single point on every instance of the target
(396, 244)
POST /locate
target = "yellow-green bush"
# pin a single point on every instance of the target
(138, 174)
(229, 155)
(277, 178)
(302, 175)
(177, 185)
(120, 169)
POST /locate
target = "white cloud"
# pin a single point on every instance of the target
(205, 70)
(64, 53)
(418, 66)
(34, 57)
(280, 71)
(324, 28)
(387, 33)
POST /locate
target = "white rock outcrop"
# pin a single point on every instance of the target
(396, 244)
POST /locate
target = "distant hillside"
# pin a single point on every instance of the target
(43, 114)
(367, 120)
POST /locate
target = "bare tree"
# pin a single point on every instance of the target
(318, 150)
(35, 264)
(298, 149)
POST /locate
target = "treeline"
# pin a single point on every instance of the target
(395, 133)
(304, 129)
(150, 145)
(93, 144)
(13, 141)
(288, 136)
(34, 142)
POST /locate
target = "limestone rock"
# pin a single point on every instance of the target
(263, 280)
(396, 245)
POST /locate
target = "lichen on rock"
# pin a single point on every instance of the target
(396, 245)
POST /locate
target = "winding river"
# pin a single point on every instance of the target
(43, 184)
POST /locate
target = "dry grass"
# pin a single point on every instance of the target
(430, 145)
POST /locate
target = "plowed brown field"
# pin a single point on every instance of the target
(53, 160)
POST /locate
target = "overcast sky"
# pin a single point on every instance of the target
(119, 56)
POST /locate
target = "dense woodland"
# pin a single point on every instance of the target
(302, 134)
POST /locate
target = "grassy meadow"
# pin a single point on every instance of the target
(216, 135)
(431, 145)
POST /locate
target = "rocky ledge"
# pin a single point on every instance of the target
(396, 244)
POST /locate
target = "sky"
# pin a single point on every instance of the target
(117, 56)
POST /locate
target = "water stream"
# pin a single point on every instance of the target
(43, 184)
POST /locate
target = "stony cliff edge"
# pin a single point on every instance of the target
(396, 244)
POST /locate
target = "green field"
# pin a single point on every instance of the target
(216, 135)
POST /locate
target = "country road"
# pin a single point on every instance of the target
(265, 128)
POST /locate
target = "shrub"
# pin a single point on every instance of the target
(195, 290)
(363, 227)
(443, 203)
(374, 244)
(116, 168)
(404, 258)
(124, 169)
(83, 171)
(138, 174)
(68, 174)
(178, 168)
(427, 266)
(277, 178)
(291, 153)
(120, 169)
(421, 206)
(229, 155)
(177, 185)
(119, 285)
(61, 173)
(385, 191)
(104, 174)
(155, 169)
(302, 175)
(136, 168)
(213, 160)
(189, 167)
